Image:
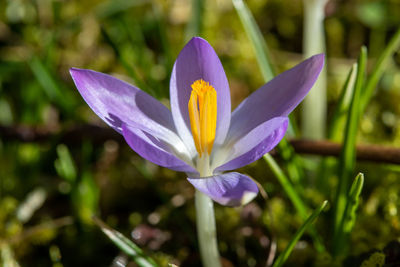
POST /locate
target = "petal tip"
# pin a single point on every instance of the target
(247, 197)
(198, 41)
(76, 72)
(314, 65)
(319, 58)
(72, 71)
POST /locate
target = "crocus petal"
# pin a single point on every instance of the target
(117, 102)
(230, 189)
(198, 60)
(277, 98)
(154, 149)
(253, 145)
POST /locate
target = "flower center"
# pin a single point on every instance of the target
(203, 115)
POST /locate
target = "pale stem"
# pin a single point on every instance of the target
(314, 106)
(205, 220)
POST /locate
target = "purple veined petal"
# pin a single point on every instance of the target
(198, 60)
(253, 145)
(117, 102)
(153, 149)
(277, 98)
(230, 189)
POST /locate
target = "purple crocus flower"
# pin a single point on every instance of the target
(200, 135)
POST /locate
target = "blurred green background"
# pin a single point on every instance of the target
(50, 189)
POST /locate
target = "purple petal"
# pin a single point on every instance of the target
(230, 189)
(117, 102)
(277, 98)
(253, 145)
(198, 60)
(154, 149)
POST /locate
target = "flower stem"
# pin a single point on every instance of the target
(206, 230)
(205, 220)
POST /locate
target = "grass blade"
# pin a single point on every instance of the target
(51, 87)
(299, 205)
(343, 105)
(293, 163)
(285, 254)
(335, 130)
(267, 71)
(64, 164)
(264, 62)
(126, 245)
(287, 186)
(349, 217)
(112, 7)
(256, 38)
(352, 203)
(194, 26)
(348, 155)
(378, 69)
(45, 78)
(122, 60)
(260, 47)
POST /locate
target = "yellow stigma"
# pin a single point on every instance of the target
(203, 115)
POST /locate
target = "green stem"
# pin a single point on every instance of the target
(206, 230)
(205, 219)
